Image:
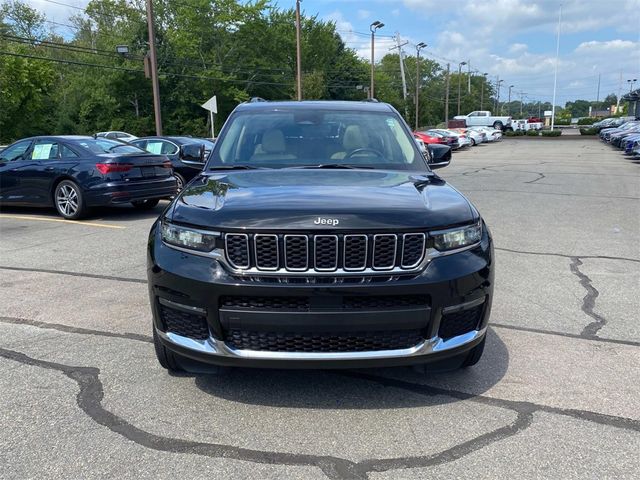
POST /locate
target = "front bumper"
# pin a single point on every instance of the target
(193, 283)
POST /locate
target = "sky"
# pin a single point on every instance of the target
(512, 39)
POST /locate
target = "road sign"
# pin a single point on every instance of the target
(211, 105)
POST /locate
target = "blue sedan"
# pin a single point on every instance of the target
(75, 173)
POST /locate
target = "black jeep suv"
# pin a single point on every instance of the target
(317, 235)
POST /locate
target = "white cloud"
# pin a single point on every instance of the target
(395, 12)
(363, 14)
(518, 48)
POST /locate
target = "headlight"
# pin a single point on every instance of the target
(457, 237)
(188, 237)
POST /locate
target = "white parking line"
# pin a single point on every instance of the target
(61, 220)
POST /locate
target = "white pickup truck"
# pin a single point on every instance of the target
(484, 118)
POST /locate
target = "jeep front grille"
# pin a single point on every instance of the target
(325, 254)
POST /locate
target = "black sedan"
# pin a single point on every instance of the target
(74, 173)
(187, 154)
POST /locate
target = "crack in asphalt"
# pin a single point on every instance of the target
(564, 255)
(74, 274)
(589, 300)
(91, 394)
(540, 177)
(529, 192)
(69, 329)
(577, 336)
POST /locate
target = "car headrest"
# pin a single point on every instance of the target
(354, 138)
(273, 141)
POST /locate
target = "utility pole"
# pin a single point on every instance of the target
(154, 68)
(418, 47)
(298, 54)
(446, 98)
(619, 92)
(598, 95)
(484, 80)
(521, 97)
(460, 83)
(498, 83)
(404, 79)
(469, 76)
(373, 27)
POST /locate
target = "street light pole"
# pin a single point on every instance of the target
(373, 27)
(484, 80)
(460, 83)
(418, 48)
(509, 101)
(446, 97)
(298, 54)
(155, 84)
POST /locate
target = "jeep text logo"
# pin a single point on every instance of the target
(326, 221)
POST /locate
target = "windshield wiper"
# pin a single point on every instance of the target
(335, 165)
(237, 167)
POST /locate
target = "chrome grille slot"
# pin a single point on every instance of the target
(412, 249)
(325, 254)
(384, 251)
(355, 252)
(237, 247)
(267, 252)
(296, 253)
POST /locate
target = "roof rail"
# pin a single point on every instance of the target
(256, 99)
(372, 100)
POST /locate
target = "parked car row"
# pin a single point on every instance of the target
(624, 134)
(459, 137)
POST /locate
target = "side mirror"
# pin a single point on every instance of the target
(440, 156)
(192, 154)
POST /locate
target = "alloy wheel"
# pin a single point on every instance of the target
(67, 200)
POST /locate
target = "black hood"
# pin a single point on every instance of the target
(291, 199)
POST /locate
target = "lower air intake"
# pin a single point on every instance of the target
(323, 342)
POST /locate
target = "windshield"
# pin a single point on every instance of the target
(104, 145)
(313, 138)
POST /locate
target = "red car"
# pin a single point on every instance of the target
(431, 138)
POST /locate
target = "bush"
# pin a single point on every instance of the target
(514, 133)
(533, 133)
(589, 131)
(551, 133)
(587, 121)
(562, 121)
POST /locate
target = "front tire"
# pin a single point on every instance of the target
(473, 142)
(145, 204)
(474, 355)
(167, 359)
(498, 126)
(69, 200)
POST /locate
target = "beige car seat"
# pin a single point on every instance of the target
(354, 138)
(273, 147)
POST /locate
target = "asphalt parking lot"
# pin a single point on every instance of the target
(556, 395)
